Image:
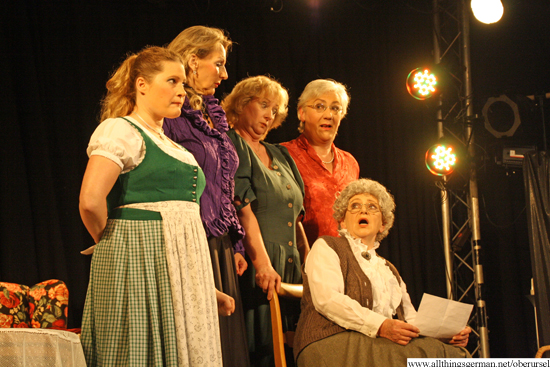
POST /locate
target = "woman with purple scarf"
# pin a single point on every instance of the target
(201, 129)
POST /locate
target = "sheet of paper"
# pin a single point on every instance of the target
(440, 317)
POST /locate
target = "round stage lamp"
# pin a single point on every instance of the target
(440, 160)
(421, 83)
(487, 11)
(502, 116)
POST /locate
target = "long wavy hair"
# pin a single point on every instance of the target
(200, 41)
(120, 98)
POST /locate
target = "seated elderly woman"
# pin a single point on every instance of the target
(351, 294)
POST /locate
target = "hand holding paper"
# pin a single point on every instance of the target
(441, 318)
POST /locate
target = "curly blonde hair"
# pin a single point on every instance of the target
(120, 98)
(319, 87)
(374, 188)
(200, 41)
(254, 87)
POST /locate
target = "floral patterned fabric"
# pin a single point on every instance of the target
(14, 306)
(44, 305)
(49, 304)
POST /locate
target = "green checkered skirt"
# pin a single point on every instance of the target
(132, 316)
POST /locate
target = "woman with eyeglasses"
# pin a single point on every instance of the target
(268, 198)
(325, 169)
(351, 294)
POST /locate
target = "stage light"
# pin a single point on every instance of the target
(487, 11)
(440, 160)
(501, 115)
(421, 83)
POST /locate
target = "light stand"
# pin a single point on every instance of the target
(452, 48)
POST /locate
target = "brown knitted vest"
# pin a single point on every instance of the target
(312, 326)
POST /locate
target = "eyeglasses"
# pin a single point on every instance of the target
(355, 208)
(320, 108)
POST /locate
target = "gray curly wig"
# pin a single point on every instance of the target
(367, 186)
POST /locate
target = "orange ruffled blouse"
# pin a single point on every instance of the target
(321, 186)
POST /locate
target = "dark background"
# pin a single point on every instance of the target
(56, 55)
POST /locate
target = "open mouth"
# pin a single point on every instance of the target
(363, 222)
(326, 126)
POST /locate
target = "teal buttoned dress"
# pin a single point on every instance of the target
(275, 195)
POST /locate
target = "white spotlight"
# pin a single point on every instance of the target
(487, 11)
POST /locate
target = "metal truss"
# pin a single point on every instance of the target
(459, 194)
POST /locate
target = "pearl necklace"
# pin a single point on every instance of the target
(329, 162)
(160, 133)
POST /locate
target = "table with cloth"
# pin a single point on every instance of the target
(20, 347)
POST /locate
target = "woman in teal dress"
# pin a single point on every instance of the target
(151, 299)
(268, 196)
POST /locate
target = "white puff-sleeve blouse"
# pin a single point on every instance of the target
(117, 140)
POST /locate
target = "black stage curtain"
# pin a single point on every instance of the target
(55, 57)
(536, 169)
